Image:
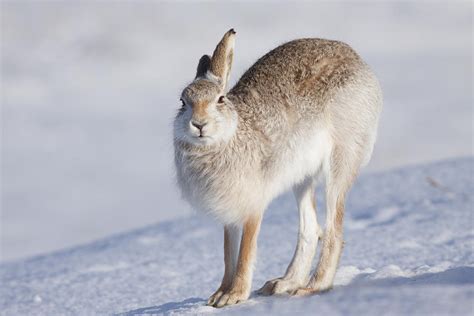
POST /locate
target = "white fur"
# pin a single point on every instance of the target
(212, 77)
(308, 234)
(304, 156)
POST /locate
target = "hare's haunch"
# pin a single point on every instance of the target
(308, 109)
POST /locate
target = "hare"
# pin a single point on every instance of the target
(306, 110)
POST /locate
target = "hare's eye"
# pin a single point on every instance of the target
(182, 103)
(221, 99)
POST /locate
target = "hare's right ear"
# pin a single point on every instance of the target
(221, 60)
(203, 66)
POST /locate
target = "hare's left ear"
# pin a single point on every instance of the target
(203, 66)
(221, 61)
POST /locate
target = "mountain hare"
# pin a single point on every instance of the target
(309, 107)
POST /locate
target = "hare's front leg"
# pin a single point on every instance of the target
(231, 252)
(297, 274)
(242, 281)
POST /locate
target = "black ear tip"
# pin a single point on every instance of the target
(232, 31)
(205, 58)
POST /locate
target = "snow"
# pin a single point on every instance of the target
(89, 90)
(409, 244)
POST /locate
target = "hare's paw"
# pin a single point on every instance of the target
(215, 297)
(279, 286)
(232, 297)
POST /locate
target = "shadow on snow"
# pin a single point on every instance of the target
(458, 276)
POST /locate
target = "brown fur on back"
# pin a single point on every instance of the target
(298, 71)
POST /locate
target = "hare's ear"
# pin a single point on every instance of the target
(203, 66)
(221, 60)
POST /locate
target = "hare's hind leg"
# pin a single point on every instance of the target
(340, 176)
(297, 273)
(231, 252)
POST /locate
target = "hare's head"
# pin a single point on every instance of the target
(207, 116)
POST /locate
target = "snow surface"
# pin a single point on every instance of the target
(90, 88)
(409, 251)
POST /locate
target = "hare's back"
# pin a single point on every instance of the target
(298, 73)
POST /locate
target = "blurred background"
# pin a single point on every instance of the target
(89, 91)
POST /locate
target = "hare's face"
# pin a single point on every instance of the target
(206, 116)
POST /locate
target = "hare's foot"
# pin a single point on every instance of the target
(279, 286)
(233, 296)
(216, 296)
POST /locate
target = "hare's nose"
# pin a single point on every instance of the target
(199, 126)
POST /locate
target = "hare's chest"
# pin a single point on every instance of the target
(225, 191)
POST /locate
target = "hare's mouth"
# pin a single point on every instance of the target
(201, 139)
